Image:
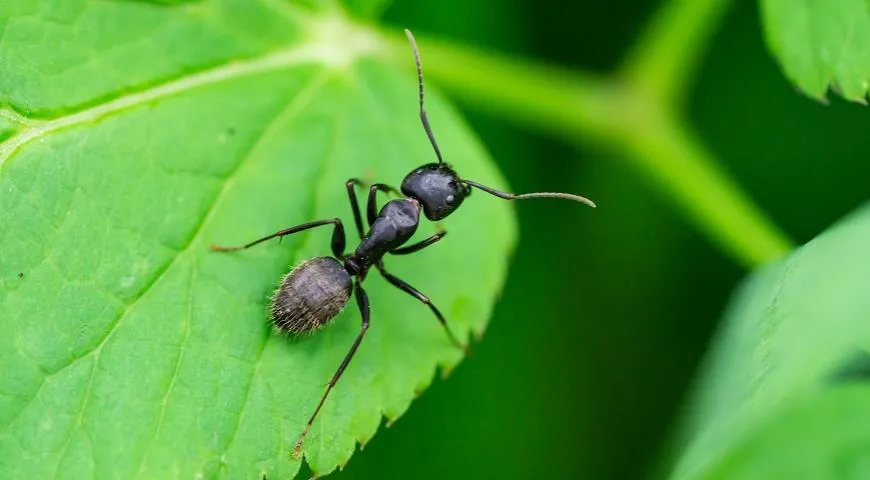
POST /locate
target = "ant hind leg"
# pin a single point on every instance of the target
(405, 287)
(338, 239)
(362, 301)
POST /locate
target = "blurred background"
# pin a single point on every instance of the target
(606, 313)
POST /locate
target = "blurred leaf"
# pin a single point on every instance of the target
(165, 2)
(127, 348)
(8, 126)
(821, 44)
(794, 344)
(367, 8)
(820, 436)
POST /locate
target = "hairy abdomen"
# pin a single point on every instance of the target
(311, 295)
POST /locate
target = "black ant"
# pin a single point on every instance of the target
(315, 291)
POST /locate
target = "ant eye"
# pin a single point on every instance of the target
(450, 199)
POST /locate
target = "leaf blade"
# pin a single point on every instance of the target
(793, 330)
(821, 45)
(157, 348)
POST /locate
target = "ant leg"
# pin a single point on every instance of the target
(362, 301)
(372, 210)
(338, 240)
(354, 205)
(419, 245)
(403, 286)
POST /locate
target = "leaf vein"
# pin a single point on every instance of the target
(322, 48)
(304, 97)
(179, 359)
(308, 90)
(328, 160)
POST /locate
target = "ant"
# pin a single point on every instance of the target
(314, 292)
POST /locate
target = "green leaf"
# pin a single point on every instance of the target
(8, 125)
(367, 8)
(820, 436)
(821, 44)
(165, 2)
(787, 383)
(127, 348)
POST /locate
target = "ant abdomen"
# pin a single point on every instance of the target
(310, 296)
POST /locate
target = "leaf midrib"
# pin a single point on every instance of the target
(324, 46)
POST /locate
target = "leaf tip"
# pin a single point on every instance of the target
(817, 96)
(477, 333)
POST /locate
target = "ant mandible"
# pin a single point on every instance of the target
(314, 292)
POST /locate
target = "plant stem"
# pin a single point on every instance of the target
(681, 165)
(578, 107)
(666, 56)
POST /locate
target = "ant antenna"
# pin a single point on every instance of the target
(511, 196)
(423, 117)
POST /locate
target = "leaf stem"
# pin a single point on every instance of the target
(578, 107)
(665, 58)
(681, 165)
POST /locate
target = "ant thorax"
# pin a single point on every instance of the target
(396, 224)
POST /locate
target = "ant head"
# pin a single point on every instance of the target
(438, 189)
(437, 186)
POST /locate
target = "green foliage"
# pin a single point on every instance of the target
(786, 388)
(367, 8)
(8, 126)
(165, 2)
(133, 133)
(821, 44)
(128, 349)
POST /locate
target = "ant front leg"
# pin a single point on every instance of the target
(338, 240)
(372, 210)
(416, 247)
(405, 287)
(362, 301)
(354, 205)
